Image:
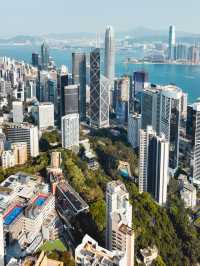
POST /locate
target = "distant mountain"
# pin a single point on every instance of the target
(147, 34)
(21, 39)
(140, 34)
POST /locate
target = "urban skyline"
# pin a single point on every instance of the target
(99, 167)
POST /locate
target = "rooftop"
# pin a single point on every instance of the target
(75, 202)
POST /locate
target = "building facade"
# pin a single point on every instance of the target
(20, 152)
(99, 93)
(193, 134)
(109, 54)
(71, 99)
(45, 115)
(153, 165)
(172, 43)
(18, 113)
(70, 131)
(79, 78)
(26, 132)
(161, 109)
(134, 126)
(119, 232)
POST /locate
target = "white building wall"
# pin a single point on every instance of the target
(70, 131)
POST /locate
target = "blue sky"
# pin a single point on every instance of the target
(60, 16)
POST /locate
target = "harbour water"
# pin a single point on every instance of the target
(185, 76)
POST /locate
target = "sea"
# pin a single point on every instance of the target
(186, 77)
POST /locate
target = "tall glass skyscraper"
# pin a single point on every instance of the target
(109, 71)
(161, 108)
(79, 77)
(99, 93)
(193, 134)
(44, 56)
(172, 42)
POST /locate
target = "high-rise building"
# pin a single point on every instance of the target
(45, 115)
(121, 99)
(109, 71)
(153, 165)
(42, 88)
(170, 114)
(99, 93)
(20, 152)
(134, 126)
(172, 42)
(2, 141)
(35, 59)
(53, 93)
(63, 81)
(139, 78)
(161, 109)
(181, 52)
(18, 113)
(44, 56)
(71, 99)
(79, 78)
(24, 132)
(194, 54)
(193, 134)
(70, 131)
(119, 232)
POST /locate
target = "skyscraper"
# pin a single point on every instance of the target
(192, 131)
(139, 78)
(153, 165)
(70, 131)
(161, 108)
(53, 93)
(79, 77)
(134, 126)
(170, 114)
(44, 56)
(121, 99)
(63, 80)
(71, 99)
(172, 42)
(119, 232)
(99, 93)
(109, 71)
(35, 59)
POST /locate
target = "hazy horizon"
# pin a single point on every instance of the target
(62, 16)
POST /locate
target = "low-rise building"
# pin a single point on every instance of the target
(189, 195)
(149, 255)
(7, 159)
(89, 253)
(68, 200)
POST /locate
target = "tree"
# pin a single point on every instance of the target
(98, 212)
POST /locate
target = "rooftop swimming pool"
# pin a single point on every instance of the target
(40, 200)
(12, 215)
